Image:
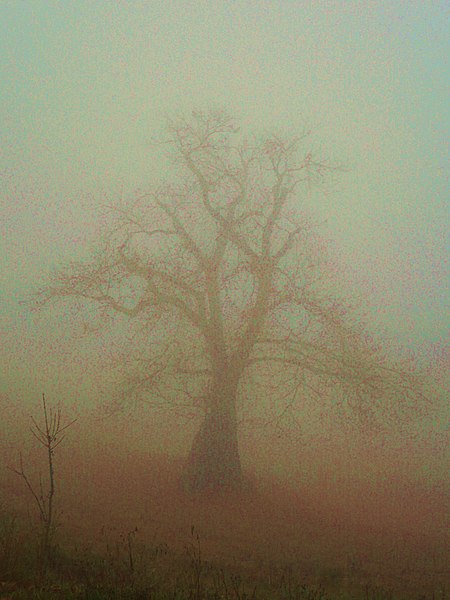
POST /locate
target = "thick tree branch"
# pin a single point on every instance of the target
(186, 239)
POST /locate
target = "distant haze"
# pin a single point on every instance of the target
(86, 87)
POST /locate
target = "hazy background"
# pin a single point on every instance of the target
(86, 85)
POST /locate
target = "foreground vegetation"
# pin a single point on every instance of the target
(128, 569)
(113, 525)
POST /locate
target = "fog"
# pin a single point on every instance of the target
(87, 89)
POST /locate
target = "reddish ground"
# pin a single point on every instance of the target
(334, 522)
(394, 536)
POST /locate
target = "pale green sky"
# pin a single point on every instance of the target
(86, 84)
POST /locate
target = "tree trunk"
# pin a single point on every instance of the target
(214, 462)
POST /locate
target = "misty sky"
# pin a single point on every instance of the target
(86, 85)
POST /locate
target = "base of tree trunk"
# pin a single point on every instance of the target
(214, 463)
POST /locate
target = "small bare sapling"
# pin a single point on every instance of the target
(49, 436)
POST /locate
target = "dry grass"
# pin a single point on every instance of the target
(125, 523)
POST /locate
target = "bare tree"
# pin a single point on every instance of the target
(224, 266)
(49, 437)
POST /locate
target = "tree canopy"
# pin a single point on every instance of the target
(223, 269)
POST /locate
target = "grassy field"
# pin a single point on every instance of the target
(126, 531)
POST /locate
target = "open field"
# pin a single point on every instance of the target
(123, 512)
